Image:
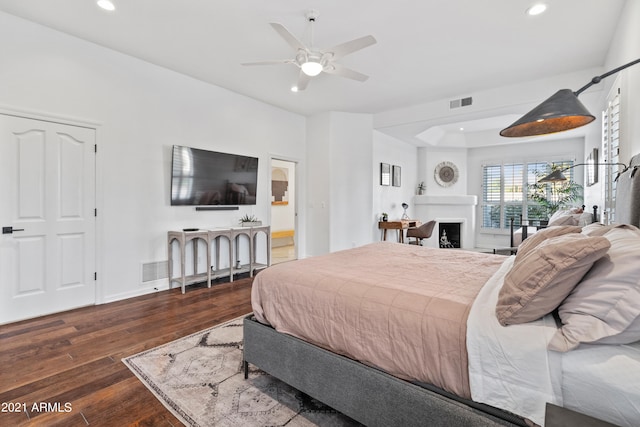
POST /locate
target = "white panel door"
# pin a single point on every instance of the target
(47, 245)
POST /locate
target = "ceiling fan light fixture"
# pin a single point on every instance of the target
(311, 61)
(311, 68)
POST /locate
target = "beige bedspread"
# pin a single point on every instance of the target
(401, 308)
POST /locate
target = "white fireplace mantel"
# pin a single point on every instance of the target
(454, 208)
(446, 200)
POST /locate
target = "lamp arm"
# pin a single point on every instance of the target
(598, 79)
(595, 164)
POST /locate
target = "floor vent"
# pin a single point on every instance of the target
(155, 271)
(457, 103)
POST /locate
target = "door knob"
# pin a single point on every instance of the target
(10, 230)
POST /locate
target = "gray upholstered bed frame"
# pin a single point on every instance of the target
(373, 397)
(368, 395)
(628, 194)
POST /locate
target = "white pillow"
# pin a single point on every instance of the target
(574, 216)
(604, 307)
(560, 212)
(584, 218)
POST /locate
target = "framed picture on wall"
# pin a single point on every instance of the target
(397, 176)
(385, 174)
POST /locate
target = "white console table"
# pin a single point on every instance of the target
(214, 236)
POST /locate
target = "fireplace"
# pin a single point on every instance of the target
(448, 209)
(449, 234)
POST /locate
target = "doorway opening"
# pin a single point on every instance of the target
(283, 211)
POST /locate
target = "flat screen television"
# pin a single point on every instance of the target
(206, 178)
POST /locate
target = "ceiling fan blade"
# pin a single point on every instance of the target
(351, 46)
(303, 81)
(339, 70)
(290, 38)
(271, 62)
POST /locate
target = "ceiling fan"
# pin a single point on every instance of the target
(313, 61)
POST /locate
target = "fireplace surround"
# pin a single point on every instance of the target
(456, 209)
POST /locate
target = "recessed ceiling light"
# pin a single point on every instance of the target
(294, 88)
(536, 9)
(106, 5)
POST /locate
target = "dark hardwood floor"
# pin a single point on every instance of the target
(65, 369)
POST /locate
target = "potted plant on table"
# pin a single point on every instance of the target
(250, 221)
(385, 216)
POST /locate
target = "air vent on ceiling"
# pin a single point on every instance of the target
(155, 271)
(463, 102)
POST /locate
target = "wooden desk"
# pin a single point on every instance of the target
(400, 225)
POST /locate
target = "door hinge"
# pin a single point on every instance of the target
(95, 212)
(95, 148)
(95, 275)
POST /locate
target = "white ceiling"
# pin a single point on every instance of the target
(427, 50)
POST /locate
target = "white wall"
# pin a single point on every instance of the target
(343, 147)
(625, 48)
(430, 157)
(339, 154)
(351, 157)
(142, 110)
(389, 199)
(318, 190)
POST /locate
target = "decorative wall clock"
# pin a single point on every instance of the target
(446, 174)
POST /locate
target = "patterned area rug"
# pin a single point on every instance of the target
(199, 379)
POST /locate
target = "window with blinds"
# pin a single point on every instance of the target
(491, 196)
(505, 192)
(611, 150)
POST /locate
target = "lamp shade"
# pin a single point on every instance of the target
(555, 176)
(562, 111)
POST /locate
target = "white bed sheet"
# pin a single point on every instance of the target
(616, 371)
(510, 367)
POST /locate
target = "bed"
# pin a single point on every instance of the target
(393, 334)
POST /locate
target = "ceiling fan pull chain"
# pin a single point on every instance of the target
(312, 15)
